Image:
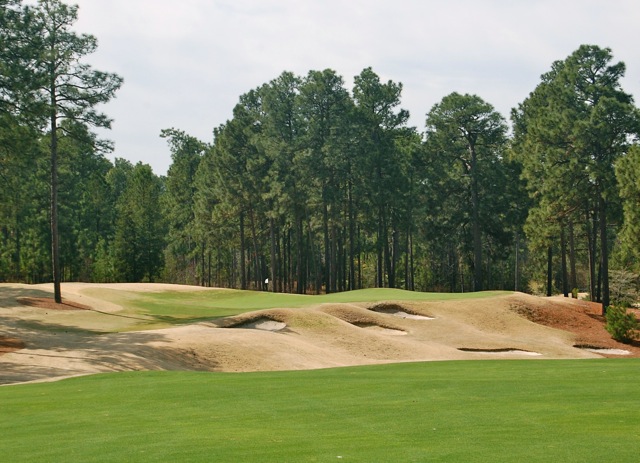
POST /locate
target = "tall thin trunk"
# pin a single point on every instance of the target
(55, 239)
(258, 267)
(515, 280)
(592, 254)
(327, 250)
(477, 237)
(395, 254)
(380, 253)
(274, 261)
(243, 270)
(299, 257)
(563, 250)
(549, 271)
(604, 245)
(412, 267)
(359, 261)
(573, 277)
(315, 262)
(407, 274)
(352, 244)
(288, 262)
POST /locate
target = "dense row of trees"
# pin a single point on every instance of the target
(313, 187)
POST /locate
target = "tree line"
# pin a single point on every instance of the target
(314, 187)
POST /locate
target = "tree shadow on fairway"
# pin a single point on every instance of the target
(9, 295)
(54, 351)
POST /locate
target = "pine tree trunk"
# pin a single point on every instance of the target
(549, 271)
(352, 244)
(300, 283)
(592, 255)
(563, 250)
(477, 237)
(55, 239)
(379, 254)
(243, 270)
(395, 254)
(605, 254)
(258, 267)
(517, 257)
(274, 262)
(327, 250)
(573, 277)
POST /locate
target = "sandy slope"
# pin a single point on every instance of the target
(328, 335)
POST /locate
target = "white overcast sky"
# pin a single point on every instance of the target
(185, 63)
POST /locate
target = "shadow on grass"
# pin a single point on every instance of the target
(55, 351)
(9, 295)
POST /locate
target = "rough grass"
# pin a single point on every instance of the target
(489, 411)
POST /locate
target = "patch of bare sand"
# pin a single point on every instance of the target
(67, 343)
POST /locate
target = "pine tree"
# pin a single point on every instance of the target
(55, 85)
(469, 136)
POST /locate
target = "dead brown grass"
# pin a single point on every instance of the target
(44, 341)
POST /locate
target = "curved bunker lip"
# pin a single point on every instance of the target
(602, 350)
(398, 311)
(262, 323)
(501, 350)
(380, 329)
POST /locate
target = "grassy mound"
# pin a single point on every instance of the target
(177, 307)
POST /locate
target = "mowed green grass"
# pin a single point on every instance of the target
(187, 306)
(481, 411)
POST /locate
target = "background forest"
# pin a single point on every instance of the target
(315, 187)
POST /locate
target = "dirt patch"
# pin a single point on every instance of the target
(10, 345)
(50, 304)
(583, 318)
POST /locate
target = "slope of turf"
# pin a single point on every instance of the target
(490, 411)
(186, 306)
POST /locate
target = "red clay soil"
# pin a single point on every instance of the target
(583, 318)
(10, 345)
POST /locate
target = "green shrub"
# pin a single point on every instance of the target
(574, 293)
(621, 324)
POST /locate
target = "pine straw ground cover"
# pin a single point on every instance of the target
(583, 318)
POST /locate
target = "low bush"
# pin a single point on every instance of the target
(621, 324)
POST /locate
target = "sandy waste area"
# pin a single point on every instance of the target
(42, 341)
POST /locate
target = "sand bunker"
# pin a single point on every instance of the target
(507, 350)
(398, 311)
(604, 350)
(263, 323)
(52, 344)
